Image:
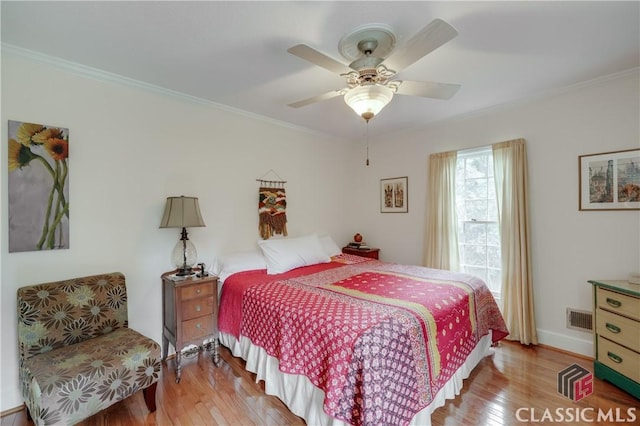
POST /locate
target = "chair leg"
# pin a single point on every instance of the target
(150, 397)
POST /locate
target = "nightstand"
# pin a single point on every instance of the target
(371, 253)
(189, 314)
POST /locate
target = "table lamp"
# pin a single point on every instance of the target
(183, 212)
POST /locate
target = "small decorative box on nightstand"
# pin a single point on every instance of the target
(371, 253)
(616, 312)
(189, 314)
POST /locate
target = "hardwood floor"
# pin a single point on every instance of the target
(514, 381)
(519, 383)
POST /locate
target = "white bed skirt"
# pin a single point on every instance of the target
(306, 401)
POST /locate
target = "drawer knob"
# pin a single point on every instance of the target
(615, 358)
(613, 302)
(198, 309)
(198, 291)
(613, 328)
(198, 326)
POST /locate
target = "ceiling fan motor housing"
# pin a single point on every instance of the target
(368, 75)
(365, 62)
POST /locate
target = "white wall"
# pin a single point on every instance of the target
(569, 246)
(130, 148)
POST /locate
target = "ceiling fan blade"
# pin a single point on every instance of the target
(428, 89)
(320, 59)
(315, 99)
(428, 39)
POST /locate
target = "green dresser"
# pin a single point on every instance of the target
(616, 314)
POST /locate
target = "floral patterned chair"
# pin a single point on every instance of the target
(77, 354)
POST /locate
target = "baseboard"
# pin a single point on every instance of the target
(583, 347)
(566, 352)
(12, 410)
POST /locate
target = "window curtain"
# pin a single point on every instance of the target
(441, 239)
(510, 169)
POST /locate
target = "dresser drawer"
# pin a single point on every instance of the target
(618, 329)
(195, 308)
(197, 329)
(198, 290)
(620, 303)
(623, 360)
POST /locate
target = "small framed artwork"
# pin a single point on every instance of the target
(610, 181)
(394, 195)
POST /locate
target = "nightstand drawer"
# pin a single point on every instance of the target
(195, 308)
(198, 290)
(197, 329)
(623, 360)
(619, 303)
(618, 329)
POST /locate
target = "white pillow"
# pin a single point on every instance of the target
(285, 254)
(238, 262)
(330, 247)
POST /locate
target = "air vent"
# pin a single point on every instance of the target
(579, 320)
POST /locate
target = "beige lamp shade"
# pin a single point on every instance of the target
(181, 212)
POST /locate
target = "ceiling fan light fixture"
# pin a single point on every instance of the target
(368, 100)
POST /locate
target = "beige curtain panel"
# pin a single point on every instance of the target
(441, 239)
(510, 170)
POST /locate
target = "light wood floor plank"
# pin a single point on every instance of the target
(513, 377)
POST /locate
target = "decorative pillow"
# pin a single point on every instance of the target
(285, 254)
(330, 247)
(238, 262)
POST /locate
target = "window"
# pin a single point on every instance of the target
(477, 212)
(461, 187)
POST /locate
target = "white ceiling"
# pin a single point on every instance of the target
(235, 52)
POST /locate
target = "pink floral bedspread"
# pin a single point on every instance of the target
(380, 339)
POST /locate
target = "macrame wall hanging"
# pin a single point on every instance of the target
(272, 206)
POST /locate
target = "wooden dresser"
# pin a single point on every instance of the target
(189, 314)
(616, 313)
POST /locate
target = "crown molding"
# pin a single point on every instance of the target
(543, 95)
(106, 76)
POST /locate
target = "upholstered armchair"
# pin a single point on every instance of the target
(77, 354)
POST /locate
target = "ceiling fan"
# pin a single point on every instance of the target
(374, 64)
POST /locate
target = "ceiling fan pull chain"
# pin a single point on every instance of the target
(367, 163)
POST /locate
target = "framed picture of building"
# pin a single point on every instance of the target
(610, 180)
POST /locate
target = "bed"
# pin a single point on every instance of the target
(343, 339)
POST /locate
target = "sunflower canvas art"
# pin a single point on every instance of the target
(38, 187)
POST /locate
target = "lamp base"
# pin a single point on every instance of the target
(184, 255)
